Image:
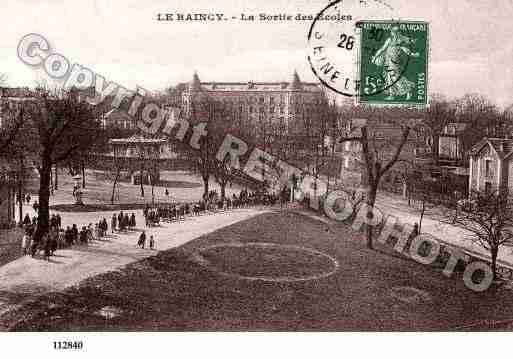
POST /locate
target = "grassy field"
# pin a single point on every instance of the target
(182, 186)
(202, 286)
(10, 245)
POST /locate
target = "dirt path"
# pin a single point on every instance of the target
(70, 266)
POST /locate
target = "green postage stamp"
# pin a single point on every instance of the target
(393, 62)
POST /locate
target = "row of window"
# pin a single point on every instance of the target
(271, 100)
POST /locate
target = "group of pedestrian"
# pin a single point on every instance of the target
(122, 222)
(33, 242)
(142, 240)
(56, 237)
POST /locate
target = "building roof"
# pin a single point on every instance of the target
(256, 86)
(137, 139)
(502, 146)
(295, 85)
(15, 92)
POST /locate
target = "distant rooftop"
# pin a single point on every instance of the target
(294, 85)
(15, 92)
(256, 86)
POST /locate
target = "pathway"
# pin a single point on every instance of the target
(68, 267)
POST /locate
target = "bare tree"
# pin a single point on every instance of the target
(223, 174)
(378, 156)
(13, 117)
(489, 222)
(439, 114)
(422, 191)
(117, 166)
(482, 118)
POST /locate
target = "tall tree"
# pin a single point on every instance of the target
(482, 118)
(61, 126)
(439, 114)
(489, 222)
(379, 155)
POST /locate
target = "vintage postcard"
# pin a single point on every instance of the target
(255, 166)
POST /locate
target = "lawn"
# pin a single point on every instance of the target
(10, 245)
(217, 282)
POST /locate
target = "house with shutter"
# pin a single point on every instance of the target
(491, 165)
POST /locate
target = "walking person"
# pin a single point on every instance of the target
(120, 221)
(145, 214)
(25, 240)
(53, 238)
(74, 233)
(126, 222)
(97, 231)
(68, 237)
(142, 240)
(132, 220)
(152, 242)
(113, 222)
(83, 235)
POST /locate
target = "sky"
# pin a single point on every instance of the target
(470, 41)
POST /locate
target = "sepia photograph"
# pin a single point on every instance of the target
(256, 172)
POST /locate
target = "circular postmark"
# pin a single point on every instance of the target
(362, 56)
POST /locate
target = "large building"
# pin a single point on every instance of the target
(255, 104)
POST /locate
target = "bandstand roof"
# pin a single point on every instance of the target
(137, 140)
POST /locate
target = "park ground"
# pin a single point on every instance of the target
(272, 270)
(250, 269)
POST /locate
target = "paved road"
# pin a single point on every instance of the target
(436, 222)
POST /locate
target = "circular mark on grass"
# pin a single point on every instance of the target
(410, 295)
(269, 262)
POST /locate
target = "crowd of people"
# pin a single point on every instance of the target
(210, 202)
(122, 222)
(58, 237)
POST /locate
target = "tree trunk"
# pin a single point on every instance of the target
(371, 200)
(223, 190)
(20, 188)
(43, 214)
(56, 181)
(20, 203)
(422, 211)
(205, 186)
(494, 252)
(152, 190)
(83, 175)
(436, 152)
(114, 187)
